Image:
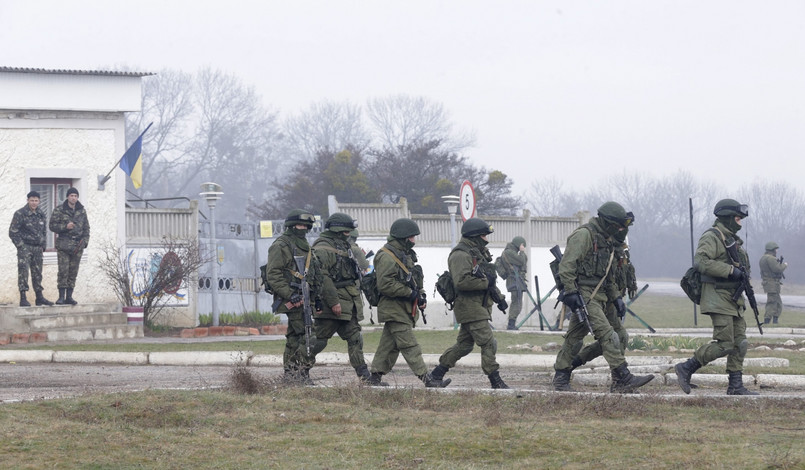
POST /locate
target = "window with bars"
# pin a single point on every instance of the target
(53, 191)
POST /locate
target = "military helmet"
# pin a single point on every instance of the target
(299, 216)
(340, 222)
(517, 241)
(476, 227)
(613, 212)
(771, 246)
(404, 228)
(726, 207)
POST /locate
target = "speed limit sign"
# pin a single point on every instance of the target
(467, 201)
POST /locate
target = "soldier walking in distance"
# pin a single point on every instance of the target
(474, 277)
(27, 231)
(69, 222)
(721, 277)
(771, 271)
(515, 260)
(284, 278)
(589, 280)
(341, 297)
(402, 299)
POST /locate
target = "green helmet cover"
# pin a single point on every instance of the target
(476, 227)
(340, 222)
(726, 207)
(771, 246)
(404, 228)
(299, 216)
(614, 213)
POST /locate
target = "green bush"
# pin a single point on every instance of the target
(247, 318)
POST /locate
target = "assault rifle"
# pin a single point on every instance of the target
(782, 275)
(491, 292)
(746, 285)
(581, 313)
(308, 308)
(411, 282)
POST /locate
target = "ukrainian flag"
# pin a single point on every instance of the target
(132, 161)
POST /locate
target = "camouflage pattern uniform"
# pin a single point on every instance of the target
(771, 271)
(339, 274)
(70, 243)
(516, 262)
(27, 231)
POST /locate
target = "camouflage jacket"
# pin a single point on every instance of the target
(339, 275)
(282, 273)
(474, 302)
(73, 239)
(28, 227)
(394, 286)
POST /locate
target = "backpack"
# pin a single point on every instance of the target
(500, 267)
(264, 280)
(446, 288)
(369, 288)
(691, 283)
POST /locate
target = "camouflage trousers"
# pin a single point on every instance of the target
(398, 337)
(29, 258)
(295, 356)
(594, 349)
(774, 306)
(470, 334)
(729, 339)
(516, 304)
(348, 330)
(68, 268)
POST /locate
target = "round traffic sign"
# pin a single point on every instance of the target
(467, 201)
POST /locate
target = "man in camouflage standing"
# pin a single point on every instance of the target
(474, 277)
(588, 279)
(27, 231)
(340, 293)
(284, 279)
(771, 271)
(721, 277)
(69, 222)
(515, 261)
(402, 299)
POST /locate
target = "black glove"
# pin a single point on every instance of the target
(503, 305)
(296, 298)
(736, 275)
(413, 296)
(423, 298)
(317, 305)
(490, 282)
(620, 307)
(573, 301)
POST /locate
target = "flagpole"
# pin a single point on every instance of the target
(103, 179)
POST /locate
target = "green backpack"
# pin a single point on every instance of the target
(446, 288)
(691, 283)
(369, 288)
(264, 280)
(500, 267)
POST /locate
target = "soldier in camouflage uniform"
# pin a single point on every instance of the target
(515, 260)
(721, 277)
(771, 271)
(474, 277)
(340, 292)
(69, 222)
(626, 282)
(585, 271)
(402, 299)
(284, 280)
(27, 231)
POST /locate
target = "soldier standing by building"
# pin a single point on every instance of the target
(771, 271)
(474, 277)
(27, 231)
(515, 260)
(284, 278)
(721, 277)
(340, 293)
(402, 299)
(69, 222)
(588, 279)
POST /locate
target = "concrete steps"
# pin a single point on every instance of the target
(82, 322)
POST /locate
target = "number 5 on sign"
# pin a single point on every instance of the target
(467, 201)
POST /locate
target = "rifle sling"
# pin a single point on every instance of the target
(397, 260)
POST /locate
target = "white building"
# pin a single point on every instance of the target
(62, 129)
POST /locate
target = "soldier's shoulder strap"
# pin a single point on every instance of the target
(397, 260)
(326, 245)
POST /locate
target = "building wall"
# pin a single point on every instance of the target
(63, 144)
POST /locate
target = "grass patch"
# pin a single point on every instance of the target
(361, 427)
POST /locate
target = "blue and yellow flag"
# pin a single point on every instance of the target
(132, 161)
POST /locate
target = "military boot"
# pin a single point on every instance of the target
(363, 373)
(69, 298)
(374, 380)
(624, 382)
(561, 381)
(305, 377)
(577, 362)
(774, 320)
(430, 382)
(512, 326)
(439, 371)
(41, 300)
(497, 382)
(683, 372)
(23, 300)
(62, 293)
(736, 385)
(766, 321)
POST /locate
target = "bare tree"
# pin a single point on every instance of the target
(547, 197)
(326, 126)
(404, 121)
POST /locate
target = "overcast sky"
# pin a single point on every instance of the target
(574, 90)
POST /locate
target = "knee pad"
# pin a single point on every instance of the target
(616, 340)
(576, 349)
(624, 340)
